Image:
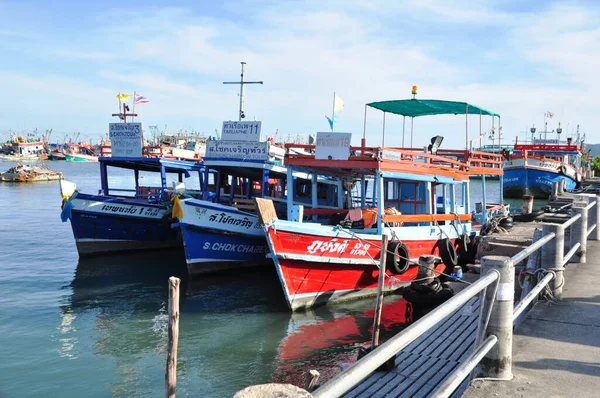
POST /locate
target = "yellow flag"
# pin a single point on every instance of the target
(177, 210)
(338, 104)
(122, 97)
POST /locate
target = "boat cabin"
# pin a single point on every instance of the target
(151, 177)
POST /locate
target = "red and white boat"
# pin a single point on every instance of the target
(322, 262)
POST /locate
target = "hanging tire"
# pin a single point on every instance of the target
(463, 250)
(398, 258)
(448, 254)
(506, 220)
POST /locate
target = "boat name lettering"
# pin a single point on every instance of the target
(232, 247)
(142, 211)
(360, 249)
(332, 246)
(224, 218)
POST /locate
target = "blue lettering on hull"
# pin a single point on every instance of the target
(203, 246)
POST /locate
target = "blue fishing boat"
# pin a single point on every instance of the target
(122, 219)
(532, 169)
(222, 230)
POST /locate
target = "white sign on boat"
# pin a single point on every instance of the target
(541, 141)
(237, 150)
(333, 146)
(241, 131)
(125, 139)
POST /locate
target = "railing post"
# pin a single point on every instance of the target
(498, 362)
(554, 190)
(594, 215)
(579, 232)
(553, 254)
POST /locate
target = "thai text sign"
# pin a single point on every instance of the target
(241, 131)
(237, 150)
(333, 146)
(125, 139)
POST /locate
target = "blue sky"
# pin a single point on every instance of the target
(63, 62)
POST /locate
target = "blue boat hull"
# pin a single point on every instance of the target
(519, 181)
(108, 225)
(209, 251)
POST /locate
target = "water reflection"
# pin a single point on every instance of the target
(235, 329)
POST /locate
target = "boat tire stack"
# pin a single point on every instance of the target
(428, 294)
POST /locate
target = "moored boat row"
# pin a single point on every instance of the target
(317, 213)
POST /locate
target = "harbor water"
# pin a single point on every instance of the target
(97, 327)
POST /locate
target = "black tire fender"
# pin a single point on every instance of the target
(398, 259)
(448, 254)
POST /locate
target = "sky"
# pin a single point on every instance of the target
(63, 63)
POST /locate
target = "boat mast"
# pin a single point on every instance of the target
(241, 114)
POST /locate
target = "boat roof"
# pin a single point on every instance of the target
(447, 166)
(152, 164)
(426, 107)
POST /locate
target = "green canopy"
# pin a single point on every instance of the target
(425, 107)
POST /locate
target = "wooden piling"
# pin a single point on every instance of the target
(527, 206)
(171, 371)
(312, 378)
(380, 290)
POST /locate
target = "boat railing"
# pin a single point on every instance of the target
(497, 311)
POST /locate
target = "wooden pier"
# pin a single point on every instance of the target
(428, 361)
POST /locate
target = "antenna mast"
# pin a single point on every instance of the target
(241, 114)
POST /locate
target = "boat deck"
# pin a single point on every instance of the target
(428, 361)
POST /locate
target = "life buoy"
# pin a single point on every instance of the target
(398, 259)
(448, 254)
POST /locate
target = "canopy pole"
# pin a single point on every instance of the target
(365, 127)
(383, 135)
(480, 130)
(467, 127)
(499, 132)
(411, 131)
(403, 128)
(493, 132)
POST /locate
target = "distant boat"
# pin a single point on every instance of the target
(533, 168)
(80, 157)
(25, 173)
(20, 150)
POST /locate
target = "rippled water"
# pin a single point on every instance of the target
(97, 327)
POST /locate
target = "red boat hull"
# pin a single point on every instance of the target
(317, 269)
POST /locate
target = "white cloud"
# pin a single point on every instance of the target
(518, 64)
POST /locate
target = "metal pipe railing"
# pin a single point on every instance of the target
(591, 229)
(462, 372)
(570, 253)
(519, 308)
(345, 381)
(529, 250)
(592, 204)
(571, 221)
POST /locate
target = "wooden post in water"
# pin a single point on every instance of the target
(527, 206)
(171, 371)
(380, 285)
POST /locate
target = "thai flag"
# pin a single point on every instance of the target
(550, 114)
(138, 99)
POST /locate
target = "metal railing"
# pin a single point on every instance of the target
(497, 311)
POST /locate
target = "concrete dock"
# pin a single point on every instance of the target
(556, 351)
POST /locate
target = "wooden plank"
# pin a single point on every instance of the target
(388, 379)
(266, 210)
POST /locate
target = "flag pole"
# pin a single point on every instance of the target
(333, 113)
(133, 111)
